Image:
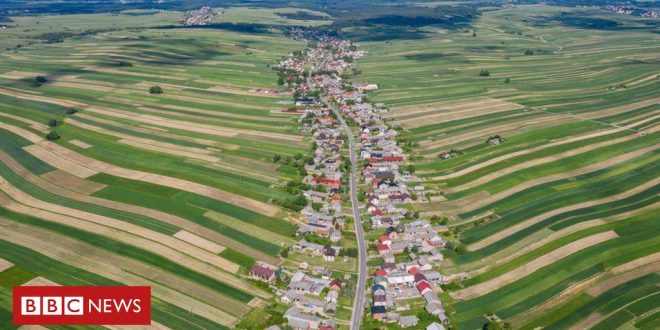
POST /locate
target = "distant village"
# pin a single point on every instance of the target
(199, 17)
(408, 249)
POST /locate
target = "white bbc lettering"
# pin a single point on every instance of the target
(30, 305)
(73, 306)
(51, 306)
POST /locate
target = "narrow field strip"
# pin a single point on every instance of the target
(538, 161)
(147, 212)
(199, 241)
(621, 278)
(461, 205)
(531, 221)
(72, 182)
(121, 231)
(524, 152)
(543, 237)
(48, 151)
(112, 266)
(529, 268)
(40, 281)
(4, 265)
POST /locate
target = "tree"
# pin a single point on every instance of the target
(40, 79)
(507, 80)
(484, 73)
(125, 63)
(70, 111)
(155, 90)
(276, 158)
(52, 136)
(284, 253)
(52, 122)
(529, 52)
(410, 168)
(280, 81)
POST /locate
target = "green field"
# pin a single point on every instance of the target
(577, 108)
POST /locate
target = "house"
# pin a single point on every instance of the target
(329, 253)
(408, 321)
(424, 287)
(299, 321)
(435, 326)
(433, 304)
(378, 312)
(263, 273)
(335, 285)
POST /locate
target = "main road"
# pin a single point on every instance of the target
(358, 303)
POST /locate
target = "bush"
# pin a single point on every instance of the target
(52, 136)
(52, 122)
(70, 111)
(40, 79)
(125, 63)
(484, 73)
(155, 90)
(529, 52)
(507, 80)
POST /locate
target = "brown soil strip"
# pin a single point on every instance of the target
(17, 75)
(423, 120)
(34, 138)
(653, 258)
(164, 217)
(590, 320)
(40, 281)
(531, 267)
(620, 109)
(116, 267)
(56, 161)
(80, 144)
(199, 241)
(96, 68)
(170, 151)
(234, 91)
(33, 124)
(224, 114)
(4, 265)
(610, 283)
(188, 126)
(72, 182)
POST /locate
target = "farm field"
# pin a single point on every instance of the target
(555, 224)
(175, 190)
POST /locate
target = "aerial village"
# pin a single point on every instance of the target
(199, 17)
(407, 250)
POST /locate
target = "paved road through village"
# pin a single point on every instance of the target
(358, 303)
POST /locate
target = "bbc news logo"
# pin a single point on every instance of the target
(82, 305)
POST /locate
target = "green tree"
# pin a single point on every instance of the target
(484, 73)
(52, 136)
(155, 90)
(52, 122)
